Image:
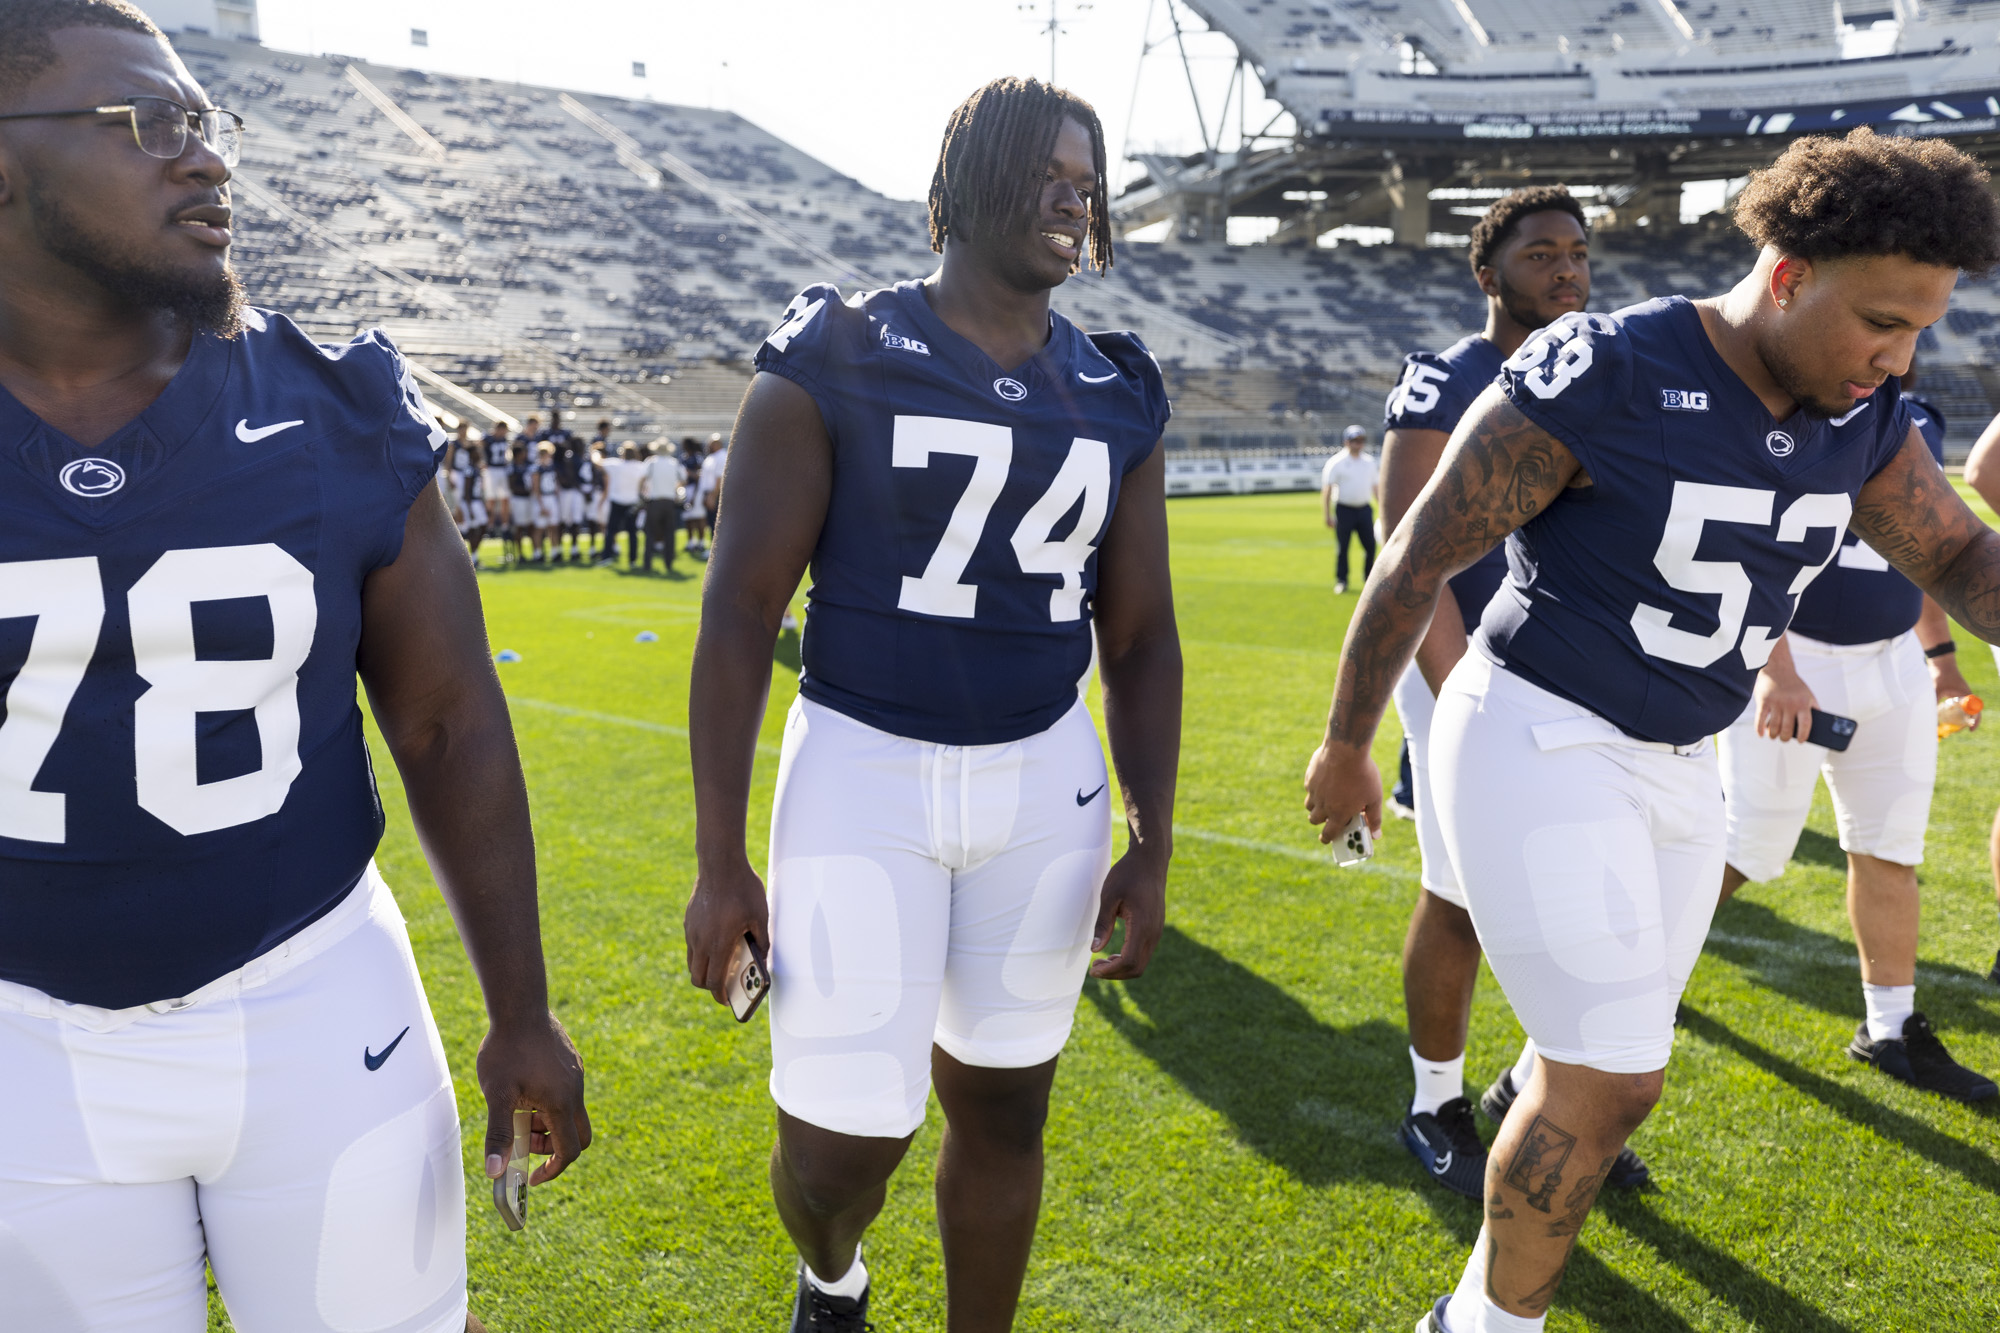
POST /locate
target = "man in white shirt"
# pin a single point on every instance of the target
(660, 484)
(708, 490)
(622, 476)
(1347, 493)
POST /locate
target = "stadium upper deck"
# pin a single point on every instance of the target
(529, 246)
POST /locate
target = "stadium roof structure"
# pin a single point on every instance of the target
(1396, 98)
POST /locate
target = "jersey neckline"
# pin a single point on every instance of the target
(1695, 333)
(916, 302)
(186, 398)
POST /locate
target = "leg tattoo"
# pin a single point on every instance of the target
(1577, 1207)
(1541, 1155)
(1496, 1208)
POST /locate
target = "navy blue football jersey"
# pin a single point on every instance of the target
(183, 781)
(1653, 595)
(1861, 598)
(952, 584)
(1433, 394)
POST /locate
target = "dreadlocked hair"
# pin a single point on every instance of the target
(996, 146)
(26, 25)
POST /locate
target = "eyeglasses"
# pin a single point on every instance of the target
(161, 126)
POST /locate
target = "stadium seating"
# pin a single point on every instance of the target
(621, 257)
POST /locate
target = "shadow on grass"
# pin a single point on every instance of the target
(1761, 1302)
(1321, 1102)
(1940, 1148)
(1820, 970)
(1817, 849)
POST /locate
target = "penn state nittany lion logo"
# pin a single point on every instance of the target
(92, 478)
(1779, 443)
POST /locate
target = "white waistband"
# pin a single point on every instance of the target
(368, 895)
(1580, 727)
(1820, 648)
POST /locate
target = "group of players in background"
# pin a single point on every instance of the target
(219, 1051)
(549, 497)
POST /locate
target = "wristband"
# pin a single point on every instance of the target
(1944, 649)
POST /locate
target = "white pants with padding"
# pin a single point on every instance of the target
(924, 894)
(293, 1120)
(1590, 862)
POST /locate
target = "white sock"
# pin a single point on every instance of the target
(1438, 1081)
(1888, 1007)
(1524, 1065)
(1471, 1312)
(852, 1283)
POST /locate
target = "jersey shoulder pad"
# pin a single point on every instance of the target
(1140, 370)
(372, 383)
(1432, 394)
(1567, 376)
(804, 343)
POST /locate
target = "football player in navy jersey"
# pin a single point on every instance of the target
(1530, 255)
(977, 486)
(1668, 480)
(215, 1041)
(1866, 645)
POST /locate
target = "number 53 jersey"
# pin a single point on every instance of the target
(183, 780)
(1653, 596)
(952, 583)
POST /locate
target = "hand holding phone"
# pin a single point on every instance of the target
(510, 1187)
(749, 979)
(1831, 730)
(1355, 844)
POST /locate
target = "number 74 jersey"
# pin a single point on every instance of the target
(183, 780)
(1653, 595)
(952, 583)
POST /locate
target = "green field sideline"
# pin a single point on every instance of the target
(1222, 1152)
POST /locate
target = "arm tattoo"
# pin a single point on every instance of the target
(1909, 513)
(1499, 471)
(1537, 1166)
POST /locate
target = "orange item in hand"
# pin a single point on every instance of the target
(1959, 714)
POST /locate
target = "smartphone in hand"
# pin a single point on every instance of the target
(749, 979)
(510, 1188)
(1354, 844)
(1831, 730)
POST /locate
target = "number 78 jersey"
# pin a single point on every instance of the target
(183, 780)
(1653, 595)
(952, 583)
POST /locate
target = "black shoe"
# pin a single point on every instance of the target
(1628, 1172)
(816, 1312)
(1434, 1321)
(1994, 975)
(1448, 1146)
(1919, 1059)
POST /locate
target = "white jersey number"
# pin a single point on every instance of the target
(1085, 475)
(66, 598)
(1418, 393)
(1571, 360)
(1694, 505)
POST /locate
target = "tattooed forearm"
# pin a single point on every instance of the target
(1537, 1166)
(1499, 471)
(1914, 519)
(1969, 587)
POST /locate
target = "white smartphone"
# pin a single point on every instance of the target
(510, 1188)
(1354, 844)
(749, 979)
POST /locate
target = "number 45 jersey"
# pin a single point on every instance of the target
(1653, 596)
(183, 781)
(952, 584)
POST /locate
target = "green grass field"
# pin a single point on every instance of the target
(1221, 1153)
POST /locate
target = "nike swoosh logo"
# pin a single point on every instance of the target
(368, 1057)
(249, 436)
(1081, 799)
(1442, 1165)
(1096, 379)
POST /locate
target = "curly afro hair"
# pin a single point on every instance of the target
(25, 25)
(1869, 194)
(1503, 219)
(996, 146)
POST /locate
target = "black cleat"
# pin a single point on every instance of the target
(816, 1312)
(1919, 1059)
(1448, 1146)
(1434, 1321)
(1994, 975)
(1628, 1172)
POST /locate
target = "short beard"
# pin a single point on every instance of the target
(207, 304)
(1518, 307)
(1785, 373)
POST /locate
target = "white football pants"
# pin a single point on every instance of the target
(1415, 708)
(292, 1120)
(1591, 862)
(1881, 783)
(926, 893)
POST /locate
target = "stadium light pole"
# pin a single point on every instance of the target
(1053, 25)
